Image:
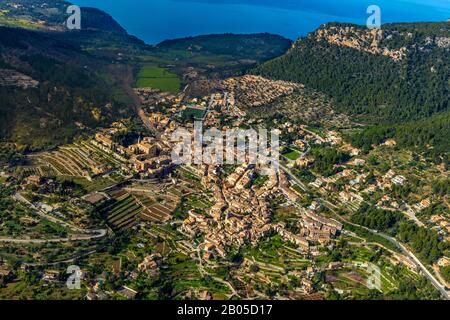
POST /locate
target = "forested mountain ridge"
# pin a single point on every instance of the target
(51, 15)
(399, 73)
(258, 47)
(49, 89)
(54, 82)
(98, 29)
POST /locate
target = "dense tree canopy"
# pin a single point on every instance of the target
(397, 97)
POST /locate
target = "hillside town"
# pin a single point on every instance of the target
(207, 212)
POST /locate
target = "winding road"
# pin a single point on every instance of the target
(83, 236)
(439, 286)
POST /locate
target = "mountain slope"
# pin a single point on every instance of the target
(401, 72)
(52, 14)
(429, 134)
(56, 83)
(50, 89)
(258, 47)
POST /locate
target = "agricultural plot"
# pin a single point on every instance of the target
(157, 213)
(187, 276)
(95, 184)
(199, 202)
(158, 78)
(169, 240)
(99, 154)
(139, 202)
(291, 154)
(353, 275)
(274, 258)
(153, 210)
(177, 250)
(20, 222)
(348, 279)
(182, 189)
(158, 200)
(166, 233)
(353, 206)
(77, 160)
(32, 170)
(287, 213)
(190, 178)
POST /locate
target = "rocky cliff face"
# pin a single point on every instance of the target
(367, 40)
(386, 41)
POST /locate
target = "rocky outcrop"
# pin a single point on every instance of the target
(13, 78)
(367, 40)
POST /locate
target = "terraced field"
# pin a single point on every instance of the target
(76, 160)
(159, 200)
(123, 212)
(157, 213)
(37, 170)
(129, 206)
(199, 202)
(154, 211)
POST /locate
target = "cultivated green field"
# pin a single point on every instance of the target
(291, 154)
(158, 78)
(148, 72)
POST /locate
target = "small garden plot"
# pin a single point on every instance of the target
(187, 276)
(104, 155)
(175, 192)
(66, 162)
(287, 213)
(188, 176)
(157, 213)
(45, 171)
(89, 186)
(73, 159)
(166, 232)
(145, 200)
(274, 255)
(83, 161)
(118, 194)
(172, 204)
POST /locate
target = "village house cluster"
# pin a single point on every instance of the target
(240, 213)
(148, 156)
(255, 91)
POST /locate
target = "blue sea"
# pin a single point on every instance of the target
(156, 20)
